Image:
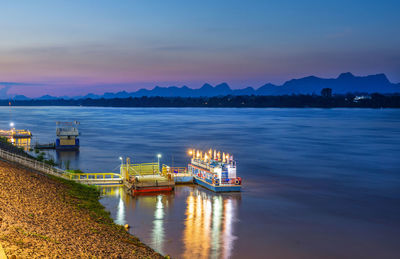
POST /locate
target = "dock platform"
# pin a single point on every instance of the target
(45, 146)
(145, 178)
(149, 184)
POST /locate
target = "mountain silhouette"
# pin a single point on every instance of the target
(343, 84)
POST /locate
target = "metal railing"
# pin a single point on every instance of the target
(33, 164)
(141, 169)
(87, 178)
(100, 181)
(181, 171)
(94, 176)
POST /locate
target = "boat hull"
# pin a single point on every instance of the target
(153, 189)
(60, 146)
(214, 188)
(68, 148)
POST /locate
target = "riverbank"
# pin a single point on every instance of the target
(42, 216)
(229, 101)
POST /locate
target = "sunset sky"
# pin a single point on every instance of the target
(76, 47)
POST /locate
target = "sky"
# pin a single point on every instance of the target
(74, 47)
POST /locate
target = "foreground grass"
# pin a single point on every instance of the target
(86, 197)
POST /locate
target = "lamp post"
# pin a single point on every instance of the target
(122, 163)
(158, 157)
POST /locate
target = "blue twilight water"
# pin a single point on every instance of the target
(318, 183)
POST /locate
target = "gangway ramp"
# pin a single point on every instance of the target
(113, 179)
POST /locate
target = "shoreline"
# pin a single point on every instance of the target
(350, 100)
(47, 216)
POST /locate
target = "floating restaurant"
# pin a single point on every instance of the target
(214, 171)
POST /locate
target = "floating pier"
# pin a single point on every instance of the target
(149, 184)
(67, 135)
(145, 178)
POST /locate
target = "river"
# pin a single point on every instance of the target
(317, 183)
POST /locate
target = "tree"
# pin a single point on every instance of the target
(326, 92)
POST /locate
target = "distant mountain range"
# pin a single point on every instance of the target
(345, 83)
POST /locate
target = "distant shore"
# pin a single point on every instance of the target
(42, 216)
(246, 101)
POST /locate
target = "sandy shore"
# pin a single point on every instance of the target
(46, 217)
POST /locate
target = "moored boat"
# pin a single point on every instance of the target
(19, 138)
(214, 171)
(67, 136)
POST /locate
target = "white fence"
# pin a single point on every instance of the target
(33, 164)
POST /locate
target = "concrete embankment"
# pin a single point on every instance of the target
(44, 216)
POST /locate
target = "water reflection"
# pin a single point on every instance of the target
(120, 219)
(209, 225)
(120, 197)
(201, 225)
(24, 143)
(158, 224)
(68, 158)
(111, 191)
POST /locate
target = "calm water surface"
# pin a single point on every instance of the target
(318, 183)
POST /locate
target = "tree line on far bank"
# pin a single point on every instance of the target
(326, 100)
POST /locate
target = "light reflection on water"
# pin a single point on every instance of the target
(208, 223)
(158, 224)
(24, 143)
(120, 219)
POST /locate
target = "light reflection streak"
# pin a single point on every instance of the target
(120, 219)
(208, 224)
(216, 226)
(158, 225)
(209, 231)
(228, 238)
(25, 143)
